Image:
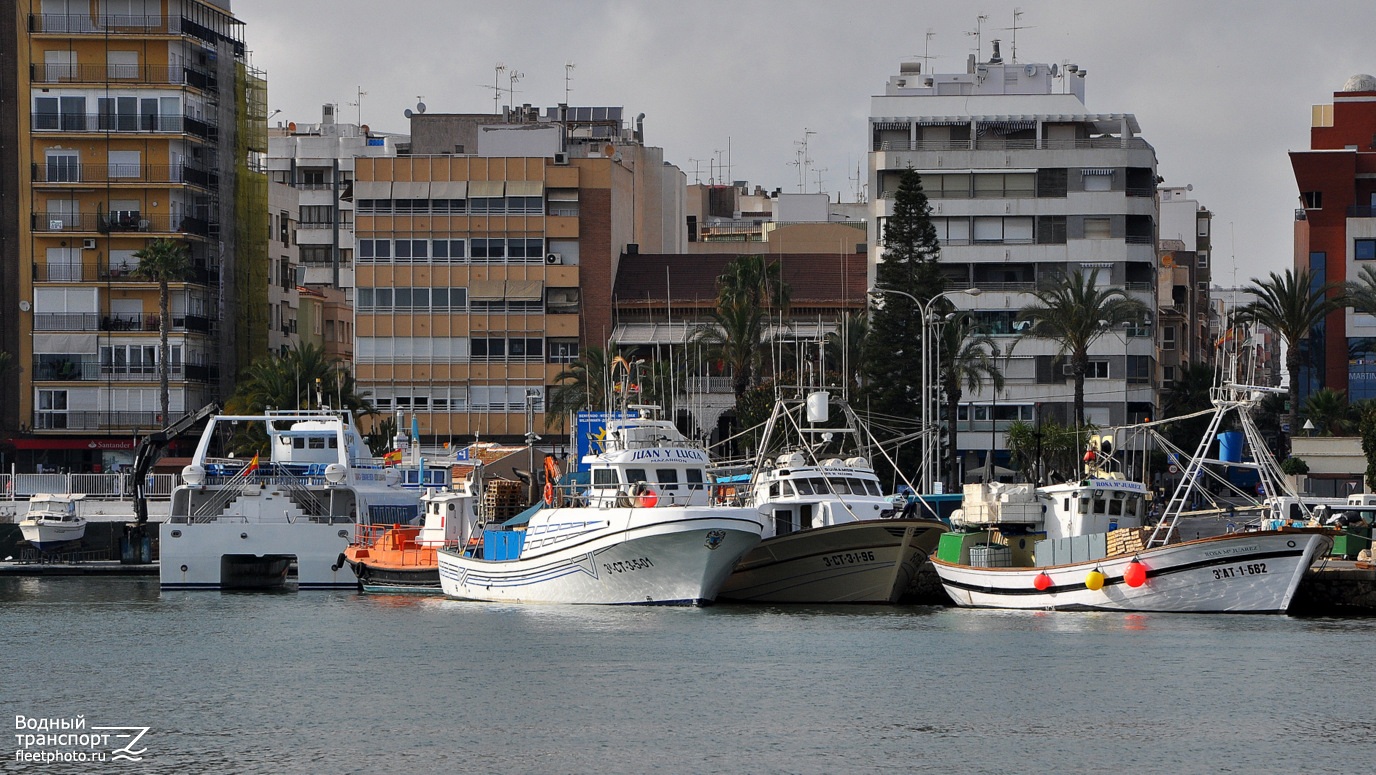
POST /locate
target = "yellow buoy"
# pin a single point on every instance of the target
(1095, 580)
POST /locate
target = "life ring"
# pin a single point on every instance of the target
(646, 496)
(549, 493)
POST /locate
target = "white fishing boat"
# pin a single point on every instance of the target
(1081, 546)
(239, 523)
(830, 533)
(648, 530)
(53, 521)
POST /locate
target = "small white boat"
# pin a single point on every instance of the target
(830, 534)
(649, 530)
(53, 521)
(1081, 545)
(241, 524)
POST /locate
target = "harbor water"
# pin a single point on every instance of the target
(336, 682)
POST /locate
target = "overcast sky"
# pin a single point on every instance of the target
(1222, 90)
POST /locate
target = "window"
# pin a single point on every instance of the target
(563, 351)
(1364, 249)
(1313, 200)
(122, 64)
(63, 167)
(1168, 337)
(1098, 228)
(1202, 259)
(317, 215)
(52, 409)
(451, 250)
(1051, 230)
(284, 227)
(988, 230)
(124, 164)
(316, 254)
(1097, 370)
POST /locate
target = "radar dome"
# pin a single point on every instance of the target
(1360, 82)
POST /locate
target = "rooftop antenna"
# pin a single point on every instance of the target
(712, 175)
(818, 173)
(805, 160)
(497, 88)
(359, 104)
(568, 78)
(1017, 15)
(976, 32)
(697, 178)
(858, 179)
(512, 78)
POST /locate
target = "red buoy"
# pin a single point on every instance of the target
(1135, 574)
(1042, 582)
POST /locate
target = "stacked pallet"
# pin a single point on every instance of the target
(1128, 540)
(503, 499)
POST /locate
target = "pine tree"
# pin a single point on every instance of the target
(893, 347)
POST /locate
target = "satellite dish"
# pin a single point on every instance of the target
(420, 107)
(408, 113)
(1030, 69)
(1054, 70)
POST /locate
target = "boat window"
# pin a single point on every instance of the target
(787, 489)
(334, 442)
(1084, 506)
(603, 477)
(693, 476)
(773, 489)
(451, 507)
(804, 486)
(1115, 508)
(635, 475)
(873, 488)
(1098, 505)
(667, 476)
(317, 442)
(1065, 505)
(298, 443)
(840, 486)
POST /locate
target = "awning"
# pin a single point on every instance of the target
(1097, 171)
(449, 189)
(372, 189)
(486, 290)
(652, 333)
(525, 188)
(64, 343)
(402, 190)
(525, 290)
(486, 188)
(891, 126)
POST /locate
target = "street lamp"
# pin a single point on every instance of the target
(1309, 427)
(931, 370)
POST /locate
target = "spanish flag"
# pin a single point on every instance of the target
(392, 458)
(252, 465)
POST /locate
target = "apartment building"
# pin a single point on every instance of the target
(311, 170)
(1026, 185)
(1188, 330)
(137, 120)
(484, 259)
(1335, 234)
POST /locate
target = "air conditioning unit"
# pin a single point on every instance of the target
(88, 244)
(1068, 369)
(553, 259)
(561, 158)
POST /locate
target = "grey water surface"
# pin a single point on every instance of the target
(336, 682)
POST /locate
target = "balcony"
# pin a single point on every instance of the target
(90, 321)
(133, 75)
(129, 24)
(128, 221)
(90, 370)
(133, 174)
(54, 272)
(1002, 144)
(1353, 211)
(123, 123)
(91, 421)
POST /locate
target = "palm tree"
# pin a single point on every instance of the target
(163, 261)
(303, 376)
(754, 280)
(581, 386)
(734, 340)
(969, 358)
(1075, 312)
(1290, 304)
(1328, 409)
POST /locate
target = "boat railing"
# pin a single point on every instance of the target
(649, 495)
(215, 505)
(297, 492)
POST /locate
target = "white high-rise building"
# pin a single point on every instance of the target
(1026, 185)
